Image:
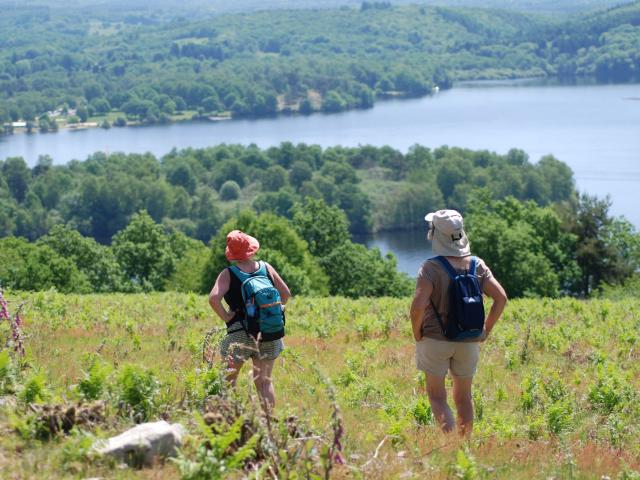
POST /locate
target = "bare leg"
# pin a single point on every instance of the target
(437, 392)
(264, 385)
(464, 404)
(233, 369)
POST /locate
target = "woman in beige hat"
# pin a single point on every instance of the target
(239, 345)
(436, 354)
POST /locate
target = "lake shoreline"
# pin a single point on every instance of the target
(579, 125)
(287, 112)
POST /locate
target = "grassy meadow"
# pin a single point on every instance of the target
(557, 392)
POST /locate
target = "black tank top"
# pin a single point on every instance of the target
(233, 297)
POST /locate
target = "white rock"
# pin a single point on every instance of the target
(7, 401)
(141, 444)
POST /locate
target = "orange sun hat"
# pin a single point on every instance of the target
(240, 246)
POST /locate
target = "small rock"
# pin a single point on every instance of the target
(140, 445)
(7, 401)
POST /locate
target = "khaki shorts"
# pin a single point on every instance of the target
(436, 357)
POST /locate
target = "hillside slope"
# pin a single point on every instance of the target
(556, 392)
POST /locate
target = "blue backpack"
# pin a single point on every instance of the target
(263, 312)
(465, 318)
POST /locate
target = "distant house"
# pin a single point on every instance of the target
(19, 124)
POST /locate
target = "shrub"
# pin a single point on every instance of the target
(559, 416)
(354, 271)
(215, 458)
(8, 373)
(422, 413)
(465, 467)
(535, 429)
(609, 393)
(530, 396)
(34, 389)
(138, 390)
(93, 384)
(230, 190)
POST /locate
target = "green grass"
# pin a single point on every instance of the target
(185, 115)
(114, 114)
(556, 393)
(110, 116)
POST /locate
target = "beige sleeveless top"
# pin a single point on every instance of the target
(435, 273)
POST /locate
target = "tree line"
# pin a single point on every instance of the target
(533, 250)
(196, 190)
(112, 67)
(526, 219)
(145, 256)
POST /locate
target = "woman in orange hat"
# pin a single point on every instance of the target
(239, 345)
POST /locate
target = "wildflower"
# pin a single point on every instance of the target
(4, 309)
(338, 432)
(15, 324)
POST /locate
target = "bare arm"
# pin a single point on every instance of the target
(424, 288)
(285, 293)
(217, 294)
(493, 288)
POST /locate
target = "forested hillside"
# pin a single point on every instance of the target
(222, 6)
(152, 65)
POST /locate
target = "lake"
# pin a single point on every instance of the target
(593, 128)
(411, 247)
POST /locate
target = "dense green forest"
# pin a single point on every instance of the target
(133, 222)
(116, 65)
(196, 190)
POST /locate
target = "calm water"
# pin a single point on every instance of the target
(411, 248)
(594, 128)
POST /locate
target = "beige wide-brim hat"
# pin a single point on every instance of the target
(446, 232)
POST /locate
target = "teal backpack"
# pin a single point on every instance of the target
(263, 312)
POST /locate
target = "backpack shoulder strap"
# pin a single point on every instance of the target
(262, 269)
(473, 265)
(267, 273)
(447, 266)
(236, 271)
